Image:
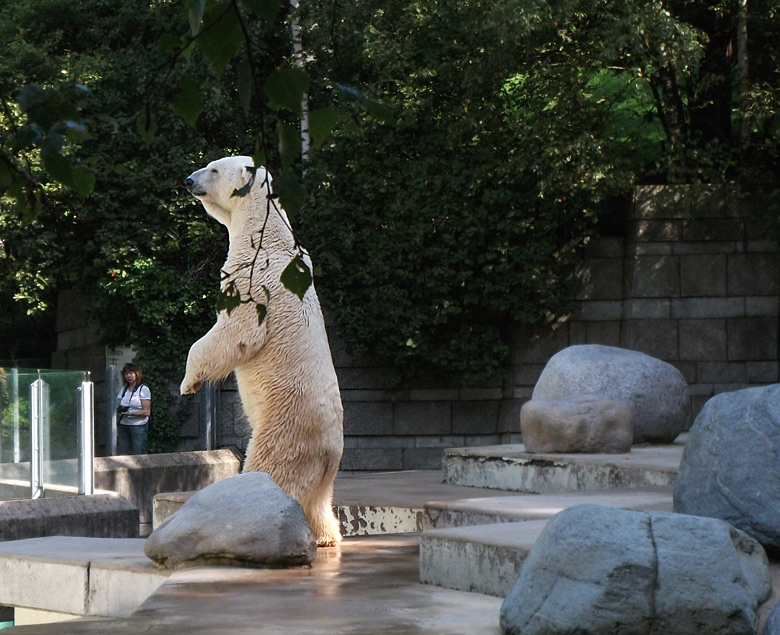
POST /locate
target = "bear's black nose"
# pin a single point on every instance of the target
(188, 183)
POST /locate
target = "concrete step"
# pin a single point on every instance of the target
(369, 503)
(486, 558)
(480, 559)
(510, 467)
(63, 577)
(524, 507)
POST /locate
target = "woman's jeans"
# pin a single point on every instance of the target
(131, 439)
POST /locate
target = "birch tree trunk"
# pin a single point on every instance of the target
(298, 57)
(744, 76)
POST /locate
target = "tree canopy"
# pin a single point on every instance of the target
(460, 154)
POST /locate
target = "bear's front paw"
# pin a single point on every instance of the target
(189, 386)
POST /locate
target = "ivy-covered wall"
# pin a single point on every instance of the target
(686, 279)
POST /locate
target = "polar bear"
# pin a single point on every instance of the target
(283, 366)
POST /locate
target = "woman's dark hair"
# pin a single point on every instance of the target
(139, 374)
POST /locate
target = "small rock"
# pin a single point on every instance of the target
(597, 569)
(730, 468)
(655, 390)
(246, 520)
(580, 423)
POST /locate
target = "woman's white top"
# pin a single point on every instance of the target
(132, 399)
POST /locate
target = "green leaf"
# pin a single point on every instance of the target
(297, 277)
(266, 9)
(228, 299)
(383, 113)
(29, 96)
(285, 88)
(76, 131)
(57, 166)
(6, 176)
(195, 14)
(146, 123)
(221, 40)
(189, 103)
(245, 85)
(167, 42)
(262, 311)
(292, 194)
(289, 143)
(321, 124)
(83, 180)
(259, 157)
(26, 136)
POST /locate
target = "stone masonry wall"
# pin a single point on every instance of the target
(687, 281)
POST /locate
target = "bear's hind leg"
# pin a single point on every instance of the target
(318, 507)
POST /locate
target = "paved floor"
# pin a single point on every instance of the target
(367, 585)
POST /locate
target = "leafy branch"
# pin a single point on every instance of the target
(222, 32)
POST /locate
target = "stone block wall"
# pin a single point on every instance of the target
(684, 278)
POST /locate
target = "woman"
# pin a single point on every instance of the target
(132, 414)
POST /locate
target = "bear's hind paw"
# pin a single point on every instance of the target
(328, 541)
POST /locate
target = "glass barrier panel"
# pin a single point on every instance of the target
(40, 433)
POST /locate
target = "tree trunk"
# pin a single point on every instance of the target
(297, 42)
(744, 76)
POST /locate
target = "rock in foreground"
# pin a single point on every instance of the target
(246, 520)
(597, 569)
(730, 468)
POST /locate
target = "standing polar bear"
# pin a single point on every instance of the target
(283, 365)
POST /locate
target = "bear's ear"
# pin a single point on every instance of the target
(251, 171)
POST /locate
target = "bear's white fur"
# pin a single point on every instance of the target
(283, 367)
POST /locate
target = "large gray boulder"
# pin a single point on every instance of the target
(597, 569)
(772, 626)
(655, 390)
(580, 423)
(730, 468)
(246, 520)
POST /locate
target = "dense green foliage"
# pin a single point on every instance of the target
(508, 130)
(520, 123)
(140, 252)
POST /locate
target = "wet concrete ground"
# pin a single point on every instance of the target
(366, 585)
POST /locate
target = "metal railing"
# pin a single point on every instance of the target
(46, 433)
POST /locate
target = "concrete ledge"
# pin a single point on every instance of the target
(99, 516)
(355, 520)
(75, 577)
(138, 478)
(519, 508)
(510, 467)
(367, 520)
(479, 559)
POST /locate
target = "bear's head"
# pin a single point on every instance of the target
(225, 185)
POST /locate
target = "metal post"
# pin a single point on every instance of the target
(39, 406)
(111, 393)
(86, 440)
(15, 413)
(209, 415)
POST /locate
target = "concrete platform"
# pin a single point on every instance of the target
(64, 577)
(105, 515)
(371, 503)
(367, 585)
(510, 467)
(479, 545)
